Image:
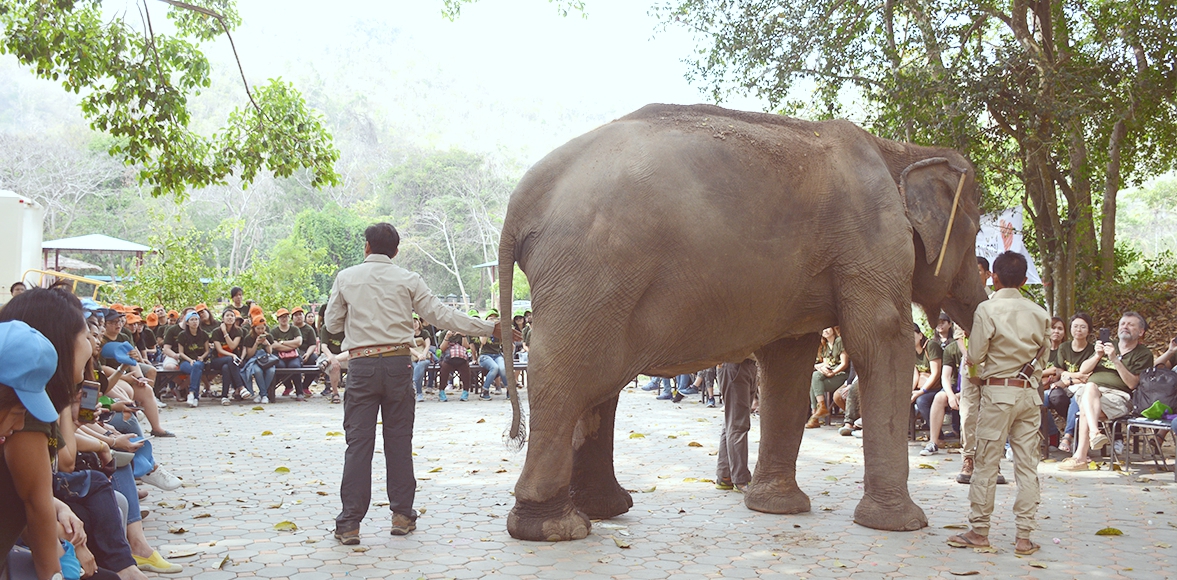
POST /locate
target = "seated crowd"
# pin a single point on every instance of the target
(72, 464)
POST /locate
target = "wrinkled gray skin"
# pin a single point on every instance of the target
(679, 237)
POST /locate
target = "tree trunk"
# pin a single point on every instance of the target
(1107, 229)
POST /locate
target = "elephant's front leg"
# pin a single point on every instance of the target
(880, 346)
(785, 369)
(595, 490)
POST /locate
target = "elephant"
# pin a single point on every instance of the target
(679, 237)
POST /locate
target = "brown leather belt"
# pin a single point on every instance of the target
(381, 350)
(1020, 383)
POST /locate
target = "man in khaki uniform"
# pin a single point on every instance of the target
(1008, 344)
(372, 304)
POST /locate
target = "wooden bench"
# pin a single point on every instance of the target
(478, 374)
(181, 378)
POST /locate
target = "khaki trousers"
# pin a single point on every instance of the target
(970, 398)
(1014, 413)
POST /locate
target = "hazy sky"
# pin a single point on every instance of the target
(511, 75)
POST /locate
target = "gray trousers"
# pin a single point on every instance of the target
(737, 382)
(384, 387)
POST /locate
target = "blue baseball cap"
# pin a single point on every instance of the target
(27, 362)
(191, 315)
(118, 351)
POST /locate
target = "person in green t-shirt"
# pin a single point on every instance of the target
(287, 339)
(490, 358)
(332, 357)
(1115, 372)
(926, 378)
(190, 346)
(829, 373)
(308, 351)
(1068, 359)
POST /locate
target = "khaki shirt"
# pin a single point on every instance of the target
(373, 303)
(1008, 331)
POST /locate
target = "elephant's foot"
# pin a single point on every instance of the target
(602, 502)
(901, 515)
(554, 520)
(772, 499)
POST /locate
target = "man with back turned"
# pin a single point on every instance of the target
(372, 304)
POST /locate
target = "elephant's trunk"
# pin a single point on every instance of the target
(515, 434)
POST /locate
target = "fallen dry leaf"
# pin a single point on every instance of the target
(620, 543)
(1038, 565)
(274, 506)
(182, 553)
(335, 433)
(1109, 532)
(500, 470)
(985, 550)
(926, 466)
(637, 435)
(321, 492)
(285, 526)
(480, 421)
(360, 549)
(202, 516)
(176, 530)
(969, 573)
(282, 469)
(956, 527)
(435, 470)
(264, 433)
(224, 562)
(694, 444)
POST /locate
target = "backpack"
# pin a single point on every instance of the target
(1156, 384)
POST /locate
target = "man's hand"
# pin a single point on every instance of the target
(953, 401)
(71, 527)
(123, 443)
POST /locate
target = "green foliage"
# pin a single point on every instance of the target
(338, 234)
(135, 86)
(285, 277)
(1054, 102)
(176, 274)
(520, 288)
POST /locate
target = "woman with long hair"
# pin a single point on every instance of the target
(829, 373)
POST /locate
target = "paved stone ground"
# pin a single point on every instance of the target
(231, 460)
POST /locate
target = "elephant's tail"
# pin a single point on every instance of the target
(516, 435)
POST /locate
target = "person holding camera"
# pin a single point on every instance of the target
(226, 340)
(1114, 373)
(256, 347)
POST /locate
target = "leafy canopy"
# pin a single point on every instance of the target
(135, 86)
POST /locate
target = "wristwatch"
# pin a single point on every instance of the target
(56, 576)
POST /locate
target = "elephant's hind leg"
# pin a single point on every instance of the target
(543, 508)
(785, 369)
(595, 490)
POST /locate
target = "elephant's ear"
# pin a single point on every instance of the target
(928, 187)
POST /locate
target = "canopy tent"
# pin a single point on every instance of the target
(90, 244)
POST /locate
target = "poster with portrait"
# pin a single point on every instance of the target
(1001, 232)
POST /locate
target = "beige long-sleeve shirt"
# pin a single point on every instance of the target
(1008, 331)
(373, 303)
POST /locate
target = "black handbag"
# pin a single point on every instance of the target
(266, 361)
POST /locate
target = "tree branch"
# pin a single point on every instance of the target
(233, 45)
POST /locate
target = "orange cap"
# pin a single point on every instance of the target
(132, 318)
(258, 320)
(152, 319)
(173, 314)
(200, 307)
(281, 312)
(298, 310)
(255, 310)
(117, 307)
